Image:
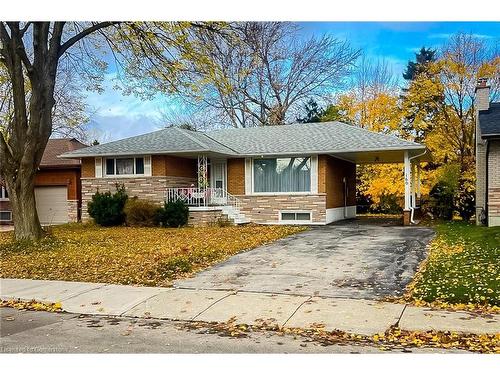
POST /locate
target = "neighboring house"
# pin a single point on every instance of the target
(57, 186)
(487, 157)
(300, 173)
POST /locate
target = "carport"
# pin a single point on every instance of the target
(410, 158)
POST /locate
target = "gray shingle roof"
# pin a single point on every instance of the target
(327, 137)
(170, 140)
(489, 120)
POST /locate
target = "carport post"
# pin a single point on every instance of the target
(407, 176)
(417, 203)
(413, 186)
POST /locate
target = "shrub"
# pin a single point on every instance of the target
(465, 199)
(107, 209)
(441, 200)
(389, 204)
(140, 213)
(173, 214)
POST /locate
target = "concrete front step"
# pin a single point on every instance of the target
(235, 215)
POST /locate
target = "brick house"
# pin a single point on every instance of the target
(487, 157)
(57, 186)
(290, 174)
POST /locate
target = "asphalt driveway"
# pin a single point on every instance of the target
(352, 259)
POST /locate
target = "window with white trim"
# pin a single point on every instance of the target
(126, 166)
(292, 216)
(4, 196)
(5, 216)
(282, 175)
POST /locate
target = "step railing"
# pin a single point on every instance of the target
(196, 197)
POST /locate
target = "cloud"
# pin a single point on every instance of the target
(113, 127)
(448, 36)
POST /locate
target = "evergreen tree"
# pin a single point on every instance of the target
(422, 58)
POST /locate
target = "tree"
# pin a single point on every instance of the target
(439, 101)
(422, 59)
(265, 72)
(313, 112)
(33, 55)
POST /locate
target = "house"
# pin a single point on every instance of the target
(57, 186)
(487, 157)
(299, 173)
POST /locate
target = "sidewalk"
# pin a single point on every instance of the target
(350, 315)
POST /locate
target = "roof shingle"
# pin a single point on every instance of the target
(58, 146)
(489, 121)
(326, 137)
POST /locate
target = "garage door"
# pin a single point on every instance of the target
(52, 204)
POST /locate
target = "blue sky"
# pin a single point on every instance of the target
(115, 116)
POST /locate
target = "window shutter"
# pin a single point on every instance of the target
(98, 167)
(314, 174)
(248, 176)
(147, 166)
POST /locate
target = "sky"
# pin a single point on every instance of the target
(114, 116)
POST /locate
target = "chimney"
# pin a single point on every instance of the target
(482, 94)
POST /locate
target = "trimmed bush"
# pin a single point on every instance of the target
(465, 199)
(173, 214)
(441, 201)
(140, 213)
(107, 209)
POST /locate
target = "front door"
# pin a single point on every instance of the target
(218, 181)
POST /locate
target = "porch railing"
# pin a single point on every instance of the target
(197, 197)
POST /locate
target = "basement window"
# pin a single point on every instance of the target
(5, 216)
(292, 216)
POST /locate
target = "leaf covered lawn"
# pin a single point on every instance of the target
(463, 267)
(126, 255)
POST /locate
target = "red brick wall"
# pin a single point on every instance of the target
(331, 171)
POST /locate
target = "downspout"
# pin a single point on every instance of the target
(344, 180)
(412, 206)
(486, 184)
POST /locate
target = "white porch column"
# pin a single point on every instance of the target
(413, 202)
(202, 172)
(418, 183)
(407, 170)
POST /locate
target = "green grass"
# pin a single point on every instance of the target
(463, 266)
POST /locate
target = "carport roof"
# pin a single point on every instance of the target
(296, 139)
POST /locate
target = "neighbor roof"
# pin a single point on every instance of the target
(326, 137)
(58, 146)
(170, 140)
(489, 121)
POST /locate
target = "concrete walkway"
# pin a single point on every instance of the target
(351, 315)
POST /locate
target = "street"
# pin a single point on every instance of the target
(46, 332)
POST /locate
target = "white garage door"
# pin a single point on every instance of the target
(52, 204)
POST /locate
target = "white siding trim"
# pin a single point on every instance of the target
(98, 167)
(336, 214)
(248, 176)
(147, 165)
(314, 174)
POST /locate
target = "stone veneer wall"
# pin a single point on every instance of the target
(264, 209)
(494, 183)
(205, 218)
(73, 211)
(152, 188)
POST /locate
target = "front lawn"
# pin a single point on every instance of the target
(125, 255)
(463, 266)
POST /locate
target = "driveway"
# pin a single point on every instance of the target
(352, 259)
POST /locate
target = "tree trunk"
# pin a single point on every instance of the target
(22, 199)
